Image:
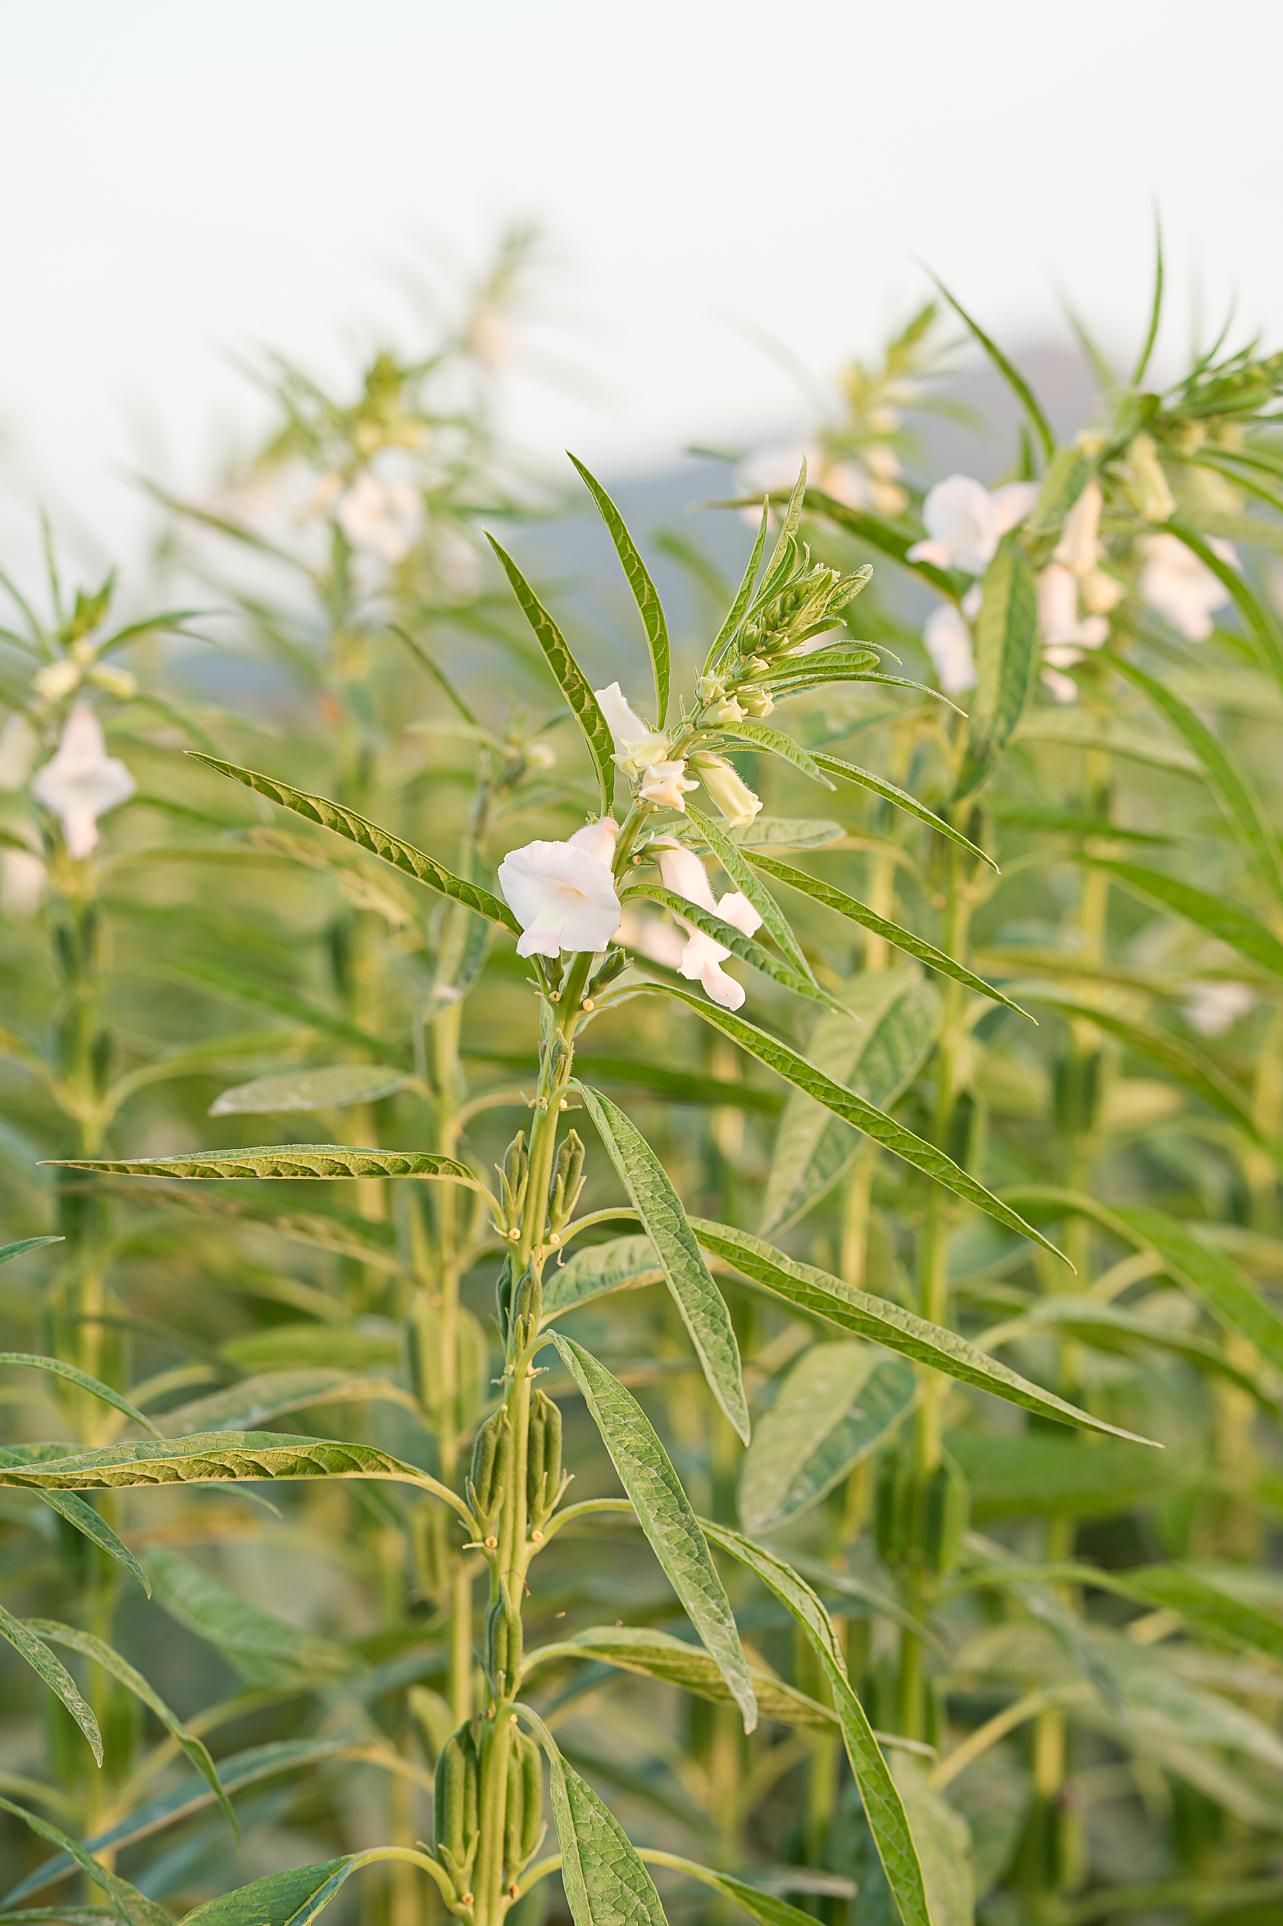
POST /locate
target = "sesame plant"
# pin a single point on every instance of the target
(740, 1359)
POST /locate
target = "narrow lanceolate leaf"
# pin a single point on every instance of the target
(1228, 922)
(743, 595)
(220, 1457)
(69, 1373)
(658, 1655)
(131, 1905)
(875, 1123)
(271, 1394)
(819, 1295)
(25, 1244)
(883, 1806)
(264, 1649)
(766, 1907)
(80, 1514)
(571, 679)
(1256, 613)
(759, 735)
(857, 912)
(889, 792)
(1006, 657)
(836, 1405)
(665, 1515)
(737, 868)
(368, 836)
(30, 1646)
(624, 1264)
(290, 1898)
(110, 1660)
(605, 1882)
(290, 1162)
(732, 939)
(645, 594)
(788, 832)
(1068, 473)
(696, 1296)
(1229, 784)
(326, 1087)
(887, 539)
(1015, 381)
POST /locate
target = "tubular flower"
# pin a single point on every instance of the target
(664, 784)
(728, 790)
(563, 894)
(965, 522)
(1177, 584)
(82, 782)
(703, 956)
(637, 745)
(1065, 633)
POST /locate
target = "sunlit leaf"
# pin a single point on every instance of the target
(834, 1407)
(731, 938)
(605, 1881)
(30, 1646)
(71, 1374)
(892, 793)
(1006, 658)
(325, 1087)
(658, 1655)
(737, 868)
(645, 594)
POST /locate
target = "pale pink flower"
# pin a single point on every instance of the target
(703, 956)
(82, 782)
(1214, 1008)
(637, 745)
(382, 516)
(965, 521)
(562, 894)
(728, 791)
(665, 783)
(1180, 587)
(948, 642)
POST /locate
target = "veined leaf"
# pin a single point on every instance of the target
(883, 1806)
(731, 939)
(289, 1162)
(1006, 658)
(604, 1879)
(264, 1649)
(759, 735)
(132, 1906)
(1110, 1328)
(857, 912)
(291, 1898)
(657, 1204)
(1068, 473)
(658, 1655)
(1230, 786)
(665, 1515)
(764, 1906)
(835, 1406)
(623, 1264)
(271, 1394)
(26, 1244)
(1226, 921)
(880, 1054)
(889, 792)
(852, 1109)
(571, 679)
(737, 868)
(325, 1087)
(817, 1294)
(105, 1655)
(943, 1841)
(83, 1382)
(787, 832)
(30, 1646)
(79, 1513)
(368, 836)
(645, 594)
(743, 595)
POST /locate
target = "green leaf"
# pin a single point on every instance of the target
(80, 1514)
(852, 1109)
(70, 1374)
(835, 1406)
(943, 1841)
(1229, 785)
(761, 1905)
(787, 832)
(270, 996)
(897, 1014)
(883, 1806)
(368, 836)
(888, 540)
(1110, 1328)
(743, 595)
(665, 1515)
(288, 1162)
(1081, 728)
(264, 1649)
(851, 772)
(105, 1655)
(354, 1347)
(759, 735)
(1068, 473)
(571, 679)
(857, 912)
(1006, 658)
(1226, 921)
(606, 1883)
(622, 1264)
(702, 1306)
(218, 1457)
(731, 939)
(737, 868)
(324, 1087)
(645, 594)
(1180, 1588)
(1019, 387)
(291, 1898)
(271, 1394)
(1155, 309)
(438, 674)
(1256, 613)
(132, 1906)
(26, 1244)
(817, 1294)
(30, 1646)
(658, 1655)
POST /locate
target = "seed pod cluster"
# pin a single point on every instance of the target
(543, 1459)
(456, 1801)
(523, 1811)
(503, 1647)
(567, 1182)
(491, 1468)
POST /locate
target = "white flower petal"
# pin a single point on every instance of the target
(82, 782)
(625, 725)
(948, 643)
(562, 896)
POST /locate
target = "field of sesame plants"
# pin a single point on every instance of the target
(641, 1269)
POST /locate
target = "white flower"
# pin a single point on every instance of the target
(649, 937)
(1079, 546)
(382, 516)
(948, 643)
(637, 745)
(82, 782)
(22, 882)
(703, 956)
(1177, 584)
(57, 679)
(665, 783)
(19, 744)
(1213, 1008)
(1065, 633)
(965, 522)
(728, 790)
(563, 894)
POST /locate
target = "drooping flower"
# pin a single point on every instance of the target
(703, 956)
(19, 745)
(965, 521)
(1066, 634)
(727, 789)
(82, 782)
(1182, 588)
(563, 894)
(637, 745)
(1214, 1008)
(382, 516)
(665, 783)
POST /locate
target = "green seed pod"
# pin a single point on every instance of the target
(543, 1459)
(491, 1468)
(514, 1176)
(517, 1326)
(503, 1647)
(503, 1297)
(455, 1825)
(947, 1515)
(567, 1182)
(523, 1812)
(1077, 1093)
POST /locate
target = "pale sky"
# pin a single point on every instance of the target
(187, 182)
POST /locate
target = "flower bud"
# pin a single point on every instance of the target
(728, 790)
(1145, 482)
(57, 679)
(666, 784)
